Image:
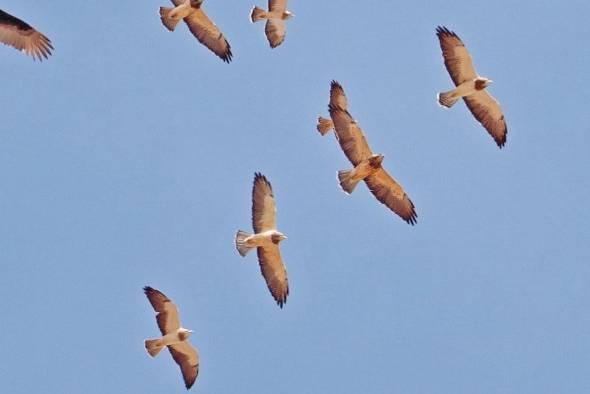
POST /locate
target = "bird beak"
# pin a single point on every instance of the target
(284, 237)
(191, 331)
(490, 81)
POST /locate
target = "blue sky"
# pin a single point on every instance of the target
(127, 158)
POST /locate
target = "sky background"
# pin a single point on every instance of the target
(127, 159)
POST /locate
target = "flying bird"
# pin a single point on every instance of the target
(173, 336)
(470, 86)
(265, 239)
(199, 24)
(367, 166)
(276, 16)
(22, 36)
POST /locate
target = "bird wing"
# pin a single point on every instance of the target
(24, 37)
(275, 31)
(488, 112)
(207, 32)
(187, 358)
(350, 136)
(263, 205)
(390, 193)
(273, 270)
(277, 5)
(167, 316)
(337, 96)
(457, 58)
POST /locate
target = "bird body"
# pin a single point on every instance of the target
(348, 179)
(276, 15)
(266, 239)
(465, 89)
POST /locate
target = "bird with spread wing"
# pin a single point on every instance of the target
(22, 36)
(265, 239)
(276, 16)
(173, 336)
(367, 166)
(470, 86)
(199, 24)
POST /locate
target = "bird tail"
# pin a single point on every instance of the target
(153, 346)
(257, 14)
(447, 99)
(347, 183)
(170, 23)
(324, 125)
(241, 246)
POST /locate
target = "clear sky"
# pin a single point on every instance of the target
(127, 159)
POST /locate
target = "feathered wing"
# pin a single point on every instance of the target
(22, 36)
(337, 97)
(350, 136)
(277, 6)
(167, 316)
(187, 358)
(274, 272)
(488, 112)
(207, 32)
(457, 58)
(275, 31)
(390, 193)
(263, 205)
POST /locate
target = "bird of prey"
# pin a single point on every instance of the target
(265, 239)
(173, 336)
(22, 36)
(275, 20)
(367, 166)
(199, 24)
(470, 86)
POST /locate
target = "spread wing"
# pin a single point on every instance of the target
(457, 59)
(187, 358)
(277, 5)
(273, 270)
(24, 37)
(263, 205)
(350, 136)
(337, 96)
(488, 112)
(167, 316)
(275, 31)
(207, 32)
(390, 193)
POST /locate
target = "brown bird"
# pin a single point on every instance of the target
(276, 16)
(367, 166)
(173, 336)
(470, 86)
(199, 24)
(24, 37)
(265, 239)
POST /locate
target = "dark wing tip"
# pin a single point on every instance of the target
(258, 177)
(413, 218)
(228, 55)
(502, 141)
(148, 289)
(443, 31)
(335, 85)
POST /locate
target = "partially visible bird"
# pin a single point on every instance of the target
(199, 24)
(276, 16)
(265, 239)
(173, 336)
(367, 166)
(22, 36)
(470, 86)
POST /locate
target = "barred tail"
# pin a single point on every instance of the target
(324, 125)
(347, 183)
(241, 246)
(153, 346)
(170, 23)
(447, 99)
(257, 14)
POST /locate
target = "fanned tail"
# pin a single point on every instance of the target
(324, 125)
(153, 346)
(347, 183)
(241, 246)
(170, 23)
(447, 99)
(257, 14)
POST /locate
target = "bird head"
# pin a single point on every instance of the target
(278, 237)
(482, 83)
(288, 15)
(376, 160)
